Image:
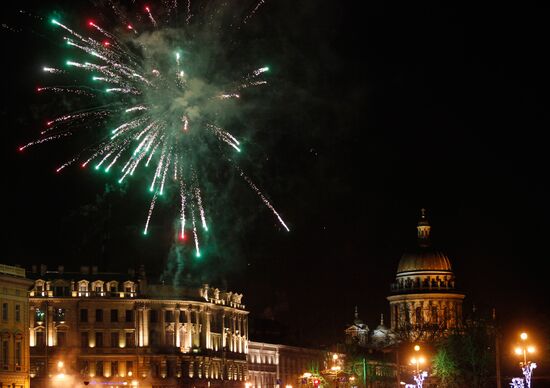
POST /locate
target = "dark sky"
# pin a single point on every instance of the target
(372, 114)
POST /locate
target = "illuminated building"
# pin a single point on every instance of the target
(14, 321)
(425, 302)
(110, 328)
(358, 332)
(272, 365)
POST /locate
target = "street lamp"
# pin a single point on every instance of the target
(418, 360)
(335, 368)
(526, 366)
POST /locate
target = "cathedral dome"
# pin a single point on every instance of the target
(424, 260)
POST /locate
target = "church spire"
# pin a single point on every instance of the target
(357, 321)
(423, 229)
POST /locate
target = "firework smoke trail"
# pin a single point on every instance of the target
(159, 109)
(182, 215)
(151, 18)
(151, 208)
(253, 12)
(52, 70)
(261, 195)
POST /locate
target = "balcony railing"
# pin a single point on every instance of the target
(84, 294)
(443, 287)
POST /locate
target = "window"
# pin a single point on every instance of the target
(98, 339)
(129, 316)
(169, 316)
(114, 339)
(129, 368)
(170, 338)
(17, 313)
(114, 368)
(114, 315)
(98, 289)
(128, 289)
(5, 353)
(154, 338)
(434, 314)
(83, 315)
(418, 315)
(99, 315)
(39, 338)
(170, 368)
(84, 339)
(18, 354)
(84, 367)
(59, 315)
(5, 311)
(39, 315)
(154, 316)
(99, 368)
(130, 340)
(62, 338)
(155, 369)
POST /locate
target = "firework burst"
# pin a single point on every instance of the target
(161, 105)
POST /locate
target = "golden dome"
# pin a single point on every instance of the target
(424, 260)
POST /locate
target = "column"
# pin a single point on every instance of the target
(223, 330)
(177, 327)
(207, 318)
(162, 327)
(189, 342)
(50, 328)
(32, 333)
(240, 337)
(233, 332)
(197, 331)
(143, 328)
(245, 322)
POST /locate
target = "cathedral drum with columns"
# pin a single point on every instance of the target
(424, 302)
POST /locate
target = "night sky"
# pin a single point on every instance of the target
(371, 114)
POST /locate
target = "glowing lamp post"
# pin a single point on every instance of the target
(418, 360)
(526, 366)
(335, 368)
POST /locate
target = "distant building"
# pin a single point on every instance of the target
(425, 303)
(115, 329)
(14, 323)
(275, 365)
(358, 332)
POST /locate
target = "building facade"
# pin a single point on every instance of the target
(116, 329)
(275, 365)
(425, 302)
(14, 323)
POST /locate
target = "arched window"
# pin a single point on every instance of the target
(435, 319)
(418, 315)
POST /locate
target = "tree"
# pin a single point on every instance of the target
(465, 358)
(445, 368)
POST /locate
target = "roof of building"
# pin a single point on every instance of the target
(424, 258)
